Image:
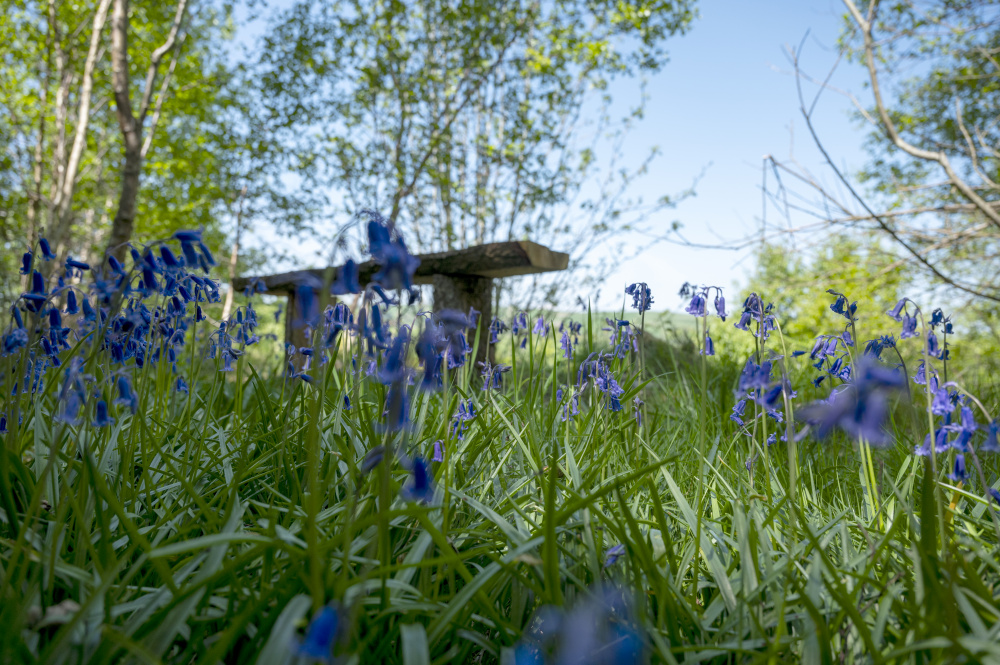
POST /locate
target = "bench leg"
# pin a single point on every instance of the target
(461, 293)
(294, 334)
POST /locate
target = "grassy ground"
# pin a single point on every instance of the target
(213, 526)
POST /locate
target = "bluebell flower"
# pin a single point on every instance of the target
(697, 306)
(27, 262)
(418, 487)
(991, 444)
(322, 634)
(720, 305)
(738, 410)
(572, 408)
(932, 344)
(372, 459)
(637, 410)
(36, 298)
(754, 375)
(995, 495)
(101, 417)
(181, 386)
(438, 451)
(642, 297)
(895, 312)
(394, 363)
(497, 327)
(939, 441)
(965, 429)
(941, 404)
(47, 252)
(3, 424)
(599, 630)
(397, 407)
(540, 326)
(909, 327)
(75, 264)
(567, 345)
(612, 554)
(709, 348)
(397, 264)
(859, 408)
(466, 412)
(959, 474)
(14, 340)
(126, 396)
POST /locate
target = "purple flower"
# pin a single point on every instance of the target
(991, 445)
(397, 264)
(567, 345)
(709, 349)
(859, 408)
(101, 417)
(322, 634)
(27, 261)
(47, 252)
(941, 404)
(895, 311)
(372, 459)
(958, 474)
(612, 554)
(738, 410)
(642, 298)
(418, 487)
(438, 451)
(909, 327)
(932, 345)
(720, 306)
(697, 306)
(540, 326)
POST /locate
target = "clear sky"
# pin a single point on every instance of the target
(726, 98)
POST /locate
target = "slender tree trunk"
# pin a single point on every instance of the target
(130, 123)
(124, 221)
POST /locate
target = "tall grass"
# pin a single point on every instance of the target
(212, 526)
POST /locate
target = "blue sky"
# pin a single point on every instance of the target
(727, 97)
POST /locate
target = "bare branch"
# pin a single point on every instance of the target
(890, 128)
(157, 57)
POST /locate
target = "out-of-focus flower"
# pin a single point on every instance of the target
(612, 554)
(101, 417)
(322, 635)
(418, 487)
(860, 408)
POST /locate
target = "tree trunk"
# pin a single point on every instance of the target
(131, 124)
(124, 221)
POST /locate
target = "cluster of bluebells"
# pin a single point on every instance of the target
(642, 297)
(624, 337)
(698, 307)
(136, 316)
(754, 311)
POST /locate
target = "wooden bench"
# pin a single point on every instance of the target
(461, 278)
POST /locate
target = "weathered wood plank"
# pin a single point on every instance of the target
(498, 259)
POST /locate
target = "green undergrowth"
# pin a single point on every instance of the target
(210, 527)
